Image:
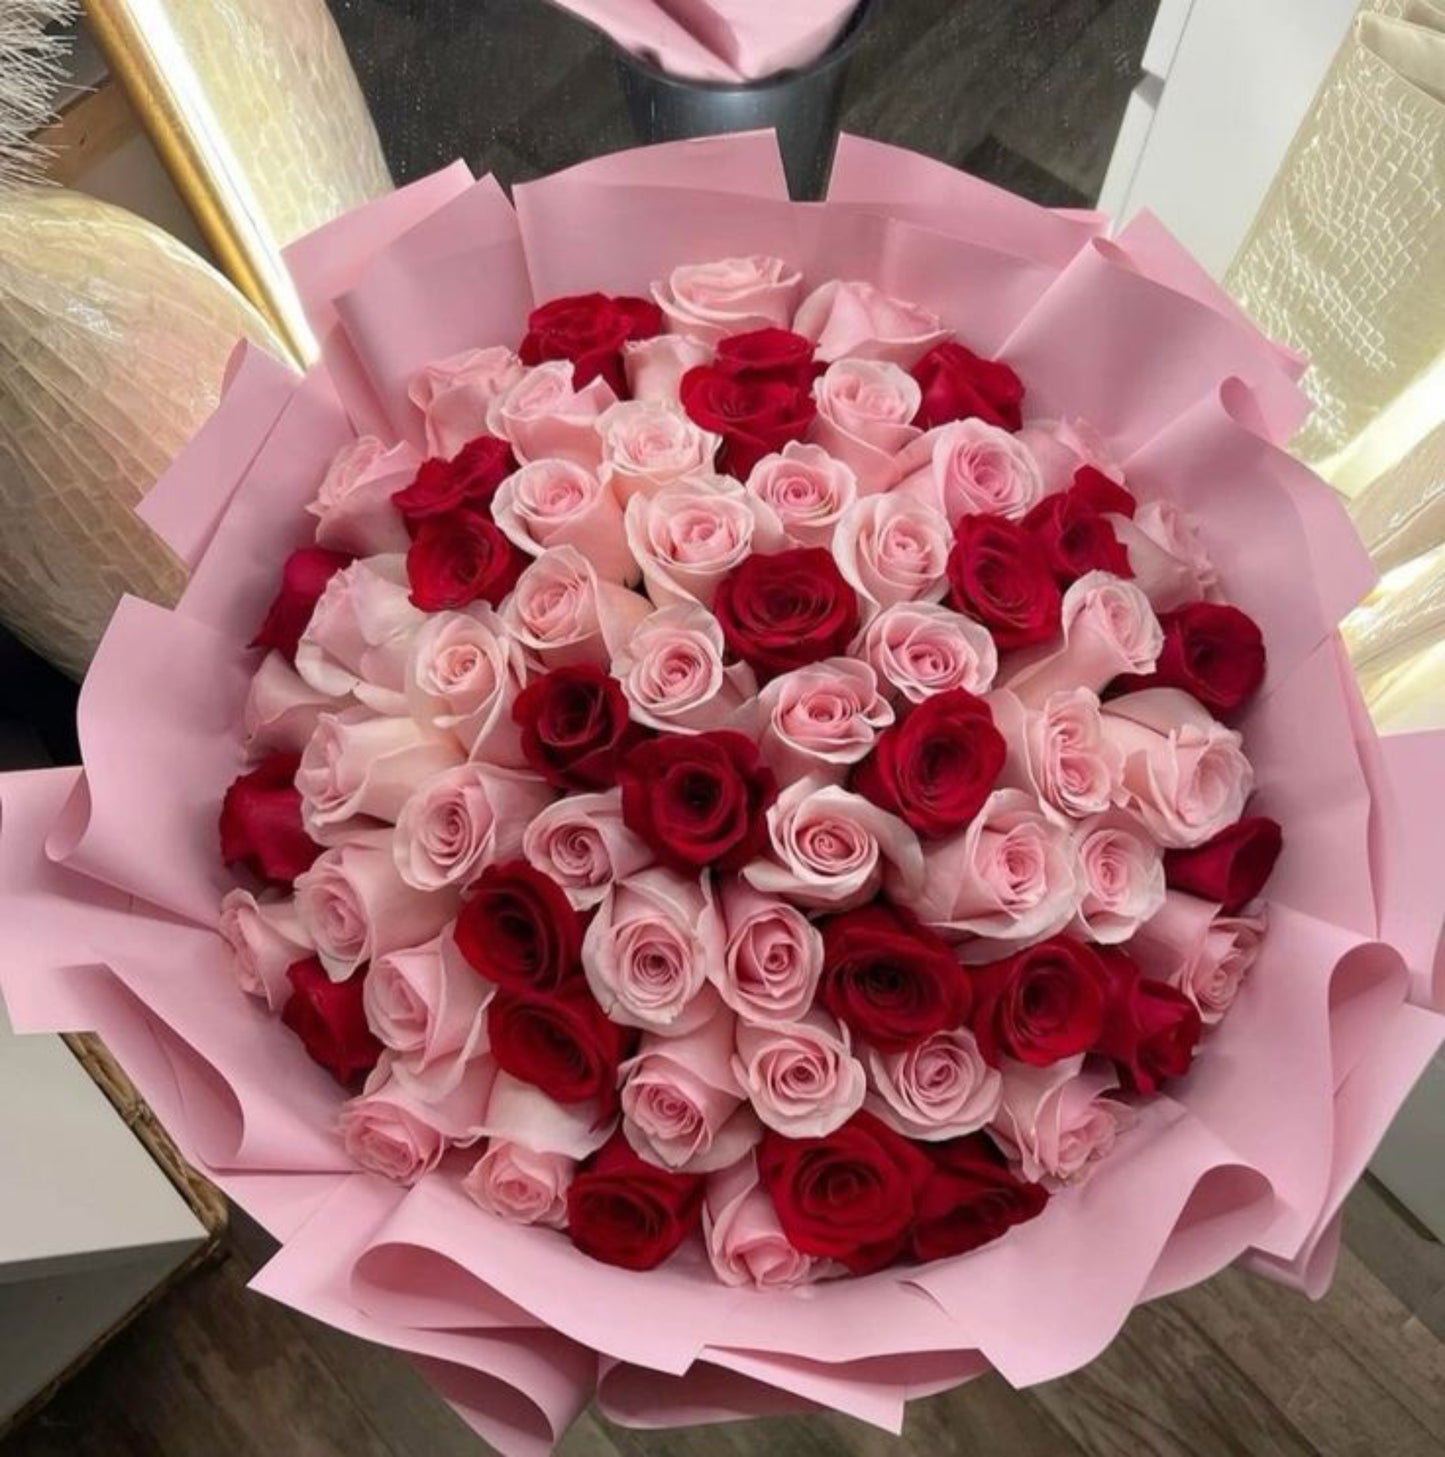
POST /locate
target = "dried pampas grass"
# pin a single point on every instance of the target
(32, 68)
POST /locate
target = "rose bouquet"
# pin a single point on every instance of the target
(771, 762)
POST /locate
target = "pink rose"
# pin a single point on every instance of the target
(353, 507)
(518, 1113)
(821, 718)
(745, 1242)
(359, 766)
(520, 1185)
(1185, 775)
(649, 444)
(1008, 876)
(402, 1125)
(456, 823)
(463, 672)
(1121, 875)
(282, 709)
(682, 1107)
(655, 367)
(833, 847)
(647, 952)
(545, 417)
(1191, 946)
(674, 676)
(581, 842)
(264, 939)
(773, 957)
(1057, 1122)
(922, 648)
(355, 907)
(360, 633)
(1062, 447)
(1059, 753)
(806, 489)
(455, 394)
(1109, 628)
(427, 1005)
(891, 549)
(852, 319)
(708, 301)
(560, 503)
(941, 1088)
(970, 468)
(566, 615)
(1170, 564)
(688, 537)
(865, 418)
(801, 1077)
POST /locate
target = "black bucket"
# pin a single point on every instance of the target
(803, 107)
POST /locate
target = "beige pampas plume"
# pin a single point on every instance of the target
(33, 49)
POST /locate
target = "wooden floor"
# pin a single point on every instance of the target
(1237, 1366)
(1028, 93)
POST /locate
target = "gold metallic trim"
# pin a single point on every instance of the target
(143, 51)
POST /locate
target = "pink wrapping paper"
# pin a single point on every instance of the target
(108, 880)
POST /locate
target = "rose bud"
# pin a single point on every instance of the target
(998, 573)
(959, 385)
(1058, 1122)
(698, 800)
(767, 354)
(786, 610)
(890, 981)
(1039, 1005)
(460, 557)
(329, 1018)
(261, 825)
(1106, 496)
(575, 728)
(754, 415)
(970, 1199)
(850, 1195)
(303, 580)
(627, 1212)
(1213, 652)
(590, 330)
(935, 767)
(730, 296)
(1150, 1028)
(850, 319)
(469, 479)
(562, 1043)
(1076, 537)
(1230, 869)
(518, 929)
(455, 393)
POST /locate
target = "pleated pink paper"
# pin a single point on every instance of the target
(109, 881)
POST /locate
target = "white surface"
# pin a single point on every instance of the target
(1411, 1161)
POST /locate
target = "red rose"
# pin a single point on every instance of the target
(469, 478)
(329, 1019)
(303, 580)
(261, 825)
(460, 557)
(998, 573)
(519, 930)
(624, 1211)
(1107, 497)
(1041, 1004)
(889, 980)
(698, 800)
(769, 354)
(562, 1043)
(756, 415)
(1212, 651)
(590, 330)
(935, 767)
(970, 1199)
(1150, 1028)
(1075, 537)
(958, 385)
(1232, 867)
(848, 1196)
(783, 611)
(575, 728)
